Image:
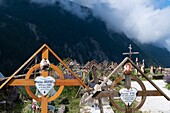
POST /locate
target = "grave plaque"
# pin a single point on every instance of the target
(44, 84)
(128, 95)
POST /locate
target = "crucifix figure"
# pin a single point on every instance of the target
(130, 52)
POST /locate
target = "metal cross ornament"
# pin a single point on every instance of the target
(130, 52)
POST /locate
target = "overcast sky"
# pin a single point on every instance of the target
(145, 20)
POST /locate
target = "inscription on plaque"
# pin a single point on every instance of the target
(44, 84)
(128, 95)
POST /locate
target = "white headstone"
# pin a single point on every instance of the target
(151, 70)
(142, 68)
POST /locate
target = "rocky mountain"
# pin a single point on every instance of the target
(160, 55)
(24, 27)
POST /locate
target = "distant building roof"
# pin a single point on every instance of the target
(1, 75)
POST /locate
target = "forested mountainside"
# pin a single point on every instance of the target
(25, 27)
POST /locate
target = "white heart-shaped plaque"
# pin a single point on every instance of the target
(44, 84)
(128, 95)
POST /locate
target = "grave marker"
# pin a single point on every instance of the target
(130, 53)
(128, 93)
(44, 81)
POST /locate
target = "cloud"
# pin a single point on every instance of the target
(143, 20)
(138, 19)
(74, 9)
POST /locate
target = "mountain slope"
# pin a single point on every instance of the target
(24, 27)
(161, 55)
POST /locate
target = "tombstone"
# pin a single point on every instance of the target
(154, 70)
(61, 109)
(93, 105)
(111, 66)
(151, 70)
(137, 64)
(105, 63)
(143, 66)
(160, 69)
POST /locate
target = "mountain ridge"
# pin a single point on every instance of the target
(25, 27)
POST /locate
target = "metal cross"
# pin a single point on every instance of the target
(130, 52)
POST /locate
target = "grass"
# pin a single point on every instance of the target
(68, 97)
(120, 103)
(74, 106)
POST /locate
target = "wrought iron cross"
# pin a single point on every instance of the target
(130, 52)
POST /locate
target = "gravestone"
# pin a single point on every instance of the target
(137, 64)
(151, 70)
(93, 106)
(143, 66)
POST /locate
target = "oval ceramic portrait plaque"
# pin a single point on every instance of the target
(44, 84)
(128, 95)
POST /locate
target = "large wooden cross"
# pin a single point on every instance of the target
(130, 52)
(27, 82)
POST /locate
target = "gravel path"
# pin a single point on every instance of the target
(158, 104)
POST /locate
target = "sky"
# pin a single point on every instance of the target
(162, 3)
(147, 21)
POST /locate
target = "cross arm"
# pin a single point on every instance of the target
(30, 82)
(116, 93)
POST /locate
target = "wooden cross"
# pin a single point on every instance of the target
(130, 52)
(27, 82)
(113, 92)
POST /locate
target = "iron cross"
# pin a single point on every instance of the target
(130, 52)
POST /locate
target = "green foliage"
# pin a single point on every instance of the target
(168, 86)
(69, 94)
(74, 105)
(19, 107)
(1, 96)
(147, 70)
(24, 94)
(121, 104)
